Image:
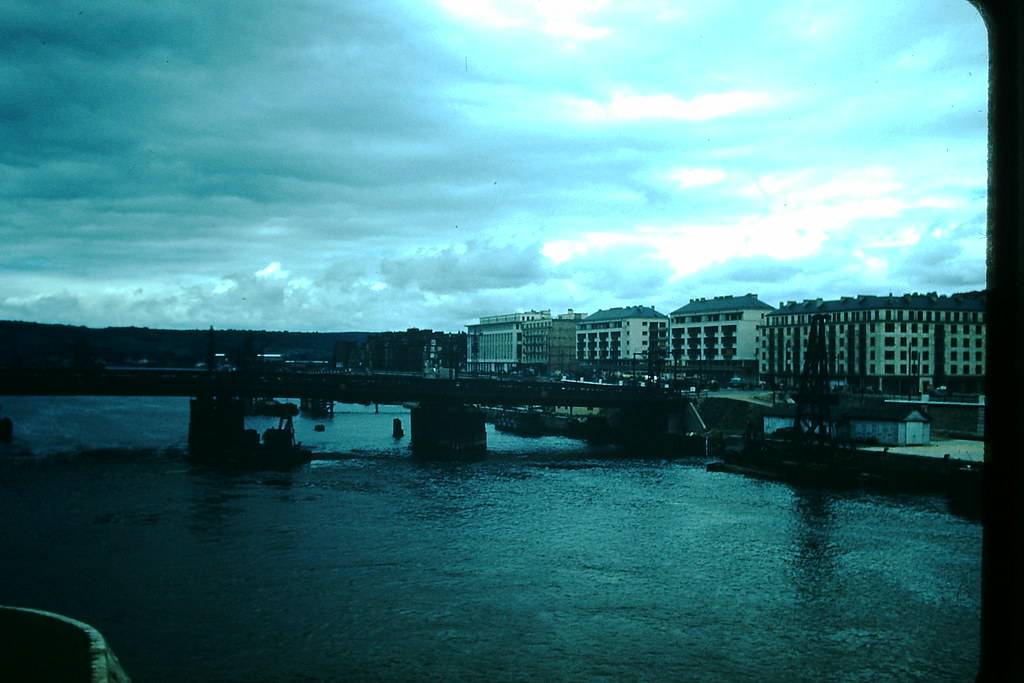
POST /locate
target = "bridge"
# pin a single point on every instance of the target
(340, 387)
(445, 417)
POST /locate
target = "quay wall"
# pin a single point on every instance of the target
(730, 416)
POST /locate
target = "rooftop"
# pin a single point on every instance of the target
(621, 313)
(964, 301)
(723, 303)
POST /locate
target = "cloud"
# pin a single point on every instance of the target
(619, 272)
(465, 268)
(696, 177)
(419, 164)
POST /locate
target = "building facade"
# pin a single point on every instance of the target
(717, 339)
(416, 351)
(549, 343)
(890, 344)
(884, 424)
(532, 341)
(623, 340)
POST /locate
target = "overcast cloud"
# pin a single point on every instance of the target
(331, 165)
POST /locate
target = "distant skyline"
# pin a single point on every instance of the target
(333, 166)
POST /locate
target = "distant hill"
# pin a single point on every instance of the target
(41, 345)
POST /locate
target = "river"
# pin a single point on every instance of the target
(547, 561)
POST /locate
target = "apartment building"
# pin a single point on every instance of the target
(716, 339)
(892, 344)
(533, 341)
(623, 340)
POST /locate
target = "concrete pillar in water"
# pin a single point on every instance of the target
(396, 428)
(448, 431)
(216, 426)
(639, 428)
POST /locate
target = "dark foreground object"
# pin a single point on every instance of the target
(217, 436)
(43, 646)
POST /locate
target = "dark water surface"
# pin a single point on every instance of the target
(549, 560)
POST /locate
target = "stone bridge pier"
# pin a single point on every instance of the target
(444, 430)
(216, 424)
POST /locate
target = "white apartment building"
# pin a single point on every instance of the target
(622, 339)
(716, 339)
(892, 344)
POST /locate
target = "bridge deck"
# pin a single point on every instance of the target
(343, 388)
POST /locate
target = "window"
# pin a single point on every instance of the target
(890, 327)
(890, 355)
(890, 341)
(890, 369)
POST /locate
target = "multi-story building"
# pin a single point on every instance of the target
(531, 340)
(549, 344)
(623, 340)
(716, 339)
(892, 344)
(415, 350)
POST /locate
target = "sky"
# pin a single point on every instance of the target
(342, 165)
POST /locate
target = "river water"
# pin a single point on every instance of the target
(547, 561)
